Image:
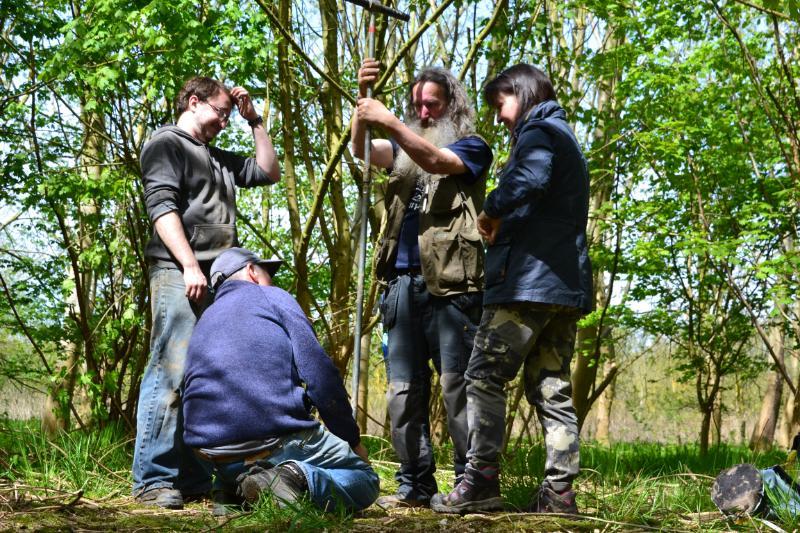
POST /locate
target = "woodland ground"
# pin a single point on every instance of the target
(80, 481)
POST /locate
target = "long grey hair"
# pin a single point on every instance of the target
(459, 110)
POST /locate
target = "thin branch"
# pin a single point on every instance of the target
(299, 51)
(409, 44)
(23, 326)
(724, 269)
(763, 9)
(473, 51)
(338, 149)
(766, 94)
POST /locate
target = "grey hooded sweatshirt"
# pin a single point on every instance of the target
(197, 181)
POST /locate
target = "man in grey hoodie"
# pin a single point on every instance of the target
(189, 190)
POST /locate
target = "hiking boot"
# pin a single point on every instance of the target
(163, 497)
(547, 500)
(286, 482)
(401, 501)
(224, 502)
(474, 494)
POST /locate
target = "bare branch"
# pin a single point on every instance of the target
(299, 51)
(501, 6)
(763, 9)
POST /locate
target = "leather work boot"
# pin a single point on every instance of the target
(400, 501)
(546, 500)
(286, 482)
(163, 497)
(474, 494)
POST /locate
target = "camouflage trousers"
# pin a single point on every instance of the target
(541, 339)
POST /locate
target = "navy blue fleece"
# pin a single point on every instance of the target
(249, 356)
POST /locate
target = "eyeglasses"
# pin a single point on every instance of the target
(220, 112)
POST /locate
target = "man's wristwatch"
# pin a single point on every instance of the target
(255, 122)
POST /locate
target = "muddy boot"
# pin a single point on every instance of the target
(286, 482)
(163, 497)
(547, 500)
(401, 501)
(475, 494)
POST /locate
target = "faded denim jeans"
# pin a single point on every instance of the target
(160, 458)
(336, 476)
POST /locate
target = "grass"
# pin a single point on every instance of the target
(82, 481)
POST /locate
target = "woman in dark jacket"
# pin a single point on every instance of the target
(538, 284)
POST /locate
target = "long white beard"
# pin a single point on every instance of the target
(439, 133)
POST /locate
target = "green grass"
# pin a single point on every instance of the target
(97, 462)
(82, 480)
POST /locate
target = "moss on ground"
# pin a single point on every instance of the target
(123, 514)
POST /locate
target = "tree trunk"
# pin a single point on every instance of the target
(764, 430)
(584, 370)
(286, 89)
(786, 429)
(705, 431)
(716, 418)
(589, 348)
(793, 413)
(513, 410)
(363, 383)
(340, 247)
(80, 303)
(438, 416)
(604, 405)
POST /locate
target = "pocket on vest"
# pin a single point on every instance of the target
(444, 202)
(452, 258)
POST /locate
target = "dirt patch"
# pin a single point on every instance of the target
(75, 513)
(24, 508)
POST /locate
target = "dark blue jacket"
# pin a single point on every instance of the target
(249, 357)
(540, 253)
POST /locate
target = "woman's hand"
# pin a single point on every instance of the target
(488, 227)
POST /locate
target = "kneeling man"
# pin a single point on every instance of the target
(253, 371)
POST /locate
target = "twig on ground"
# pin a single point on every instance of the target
(222, 523)
(630, 525)
(104, 467)
(708, 516)
(386, 463)
(76, 497)
(681, 474)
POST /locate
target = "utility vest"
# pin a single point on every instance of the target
(450, 247)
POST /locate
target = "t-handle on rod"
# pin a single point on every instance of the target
(372, 6)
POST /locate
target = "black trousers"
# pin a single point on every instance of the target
(423, 328)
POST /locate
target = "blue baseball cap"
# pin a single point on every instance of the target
(234, 259)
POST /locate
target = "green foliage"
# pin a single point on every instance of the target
(633, 484)
(693, 169)
(298, 516)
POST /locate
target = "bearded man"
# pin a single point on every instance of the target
(431, 260)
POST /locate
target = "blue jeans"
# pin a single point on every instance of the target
(335, 474)
(160, 458)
